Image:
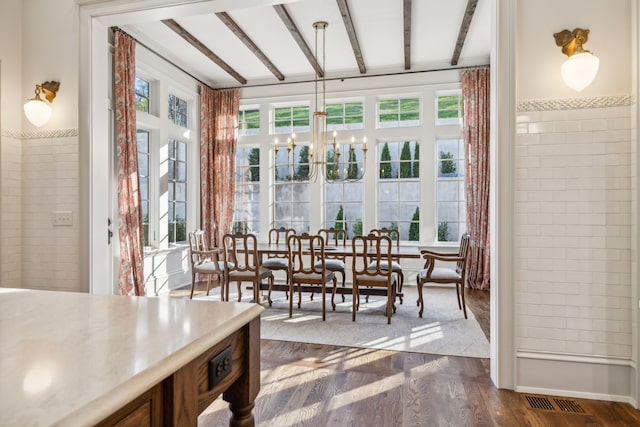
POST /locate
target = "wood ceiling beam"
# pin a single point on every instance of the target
(351, 31)
(244, 38)
(193, 41)
(464, 28)
(407, 34)
(295, 33)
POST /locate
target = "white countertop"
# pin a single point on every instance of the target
(74, 358)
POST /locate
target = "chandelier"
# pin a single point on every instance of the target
(324, 157)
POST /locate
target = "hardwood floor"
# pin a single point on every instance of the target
(322, 385)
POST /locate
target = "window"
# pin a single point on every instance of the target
(449, 109)
(142, 140)
(399, 112)
(292, 193)
(142, 95)
(450, 204)
(399, 188)
(249, 121)
(177, 111)
(177, 185)
(291, 119)
(346, 116)
(343, 207)
(247, 213)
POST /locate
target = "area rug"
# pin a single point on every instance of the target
(442, 329)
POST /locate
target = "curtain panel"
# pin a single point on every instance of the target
(218, 121)
(475, 128)
(130, 231)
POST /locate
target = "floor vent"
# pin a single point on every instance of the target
(569, 406)
(537, 402)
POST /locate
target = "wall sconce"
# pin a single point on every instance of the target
(579, 70)
(37, 109)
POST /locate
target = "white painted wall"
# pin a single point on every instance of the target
(573, 198)
(539, 59)
(39, 165)
(10, 144)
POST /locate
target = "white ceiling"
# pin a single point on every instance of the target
(378, 25)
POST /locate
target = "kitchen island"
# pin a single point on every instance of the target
(78, 359)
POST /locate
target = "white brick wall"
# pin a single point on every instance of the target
(50, 183)
(572, 231)
(11, 215)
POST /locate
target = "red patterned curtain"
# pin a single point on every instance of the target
(475, 128)
(131, 277)
(218, 120)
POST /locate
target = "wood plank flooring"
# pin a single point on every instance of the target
(322, 385)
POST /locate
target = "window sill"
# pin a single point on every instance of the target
(148, 251)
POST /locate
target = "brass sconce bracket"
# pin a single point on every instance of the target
(49, 89)
(572, 41)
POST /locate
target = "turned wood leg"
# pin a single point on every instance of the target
(420, 299)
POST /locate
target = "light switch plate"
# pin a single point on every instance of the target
(61, 218)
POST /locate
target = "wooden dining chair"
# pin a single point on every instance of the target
(394, 235)
(242, 264)
(335, 238)
(278, 261)
(372, 254)
(432, 274)
(205, 261)
(307, 275)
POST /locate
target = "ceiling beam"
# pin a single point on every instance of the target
(244, 38)
(193, 41)
(464, 28)
(407, 34)
(351, 31)
(295, 33)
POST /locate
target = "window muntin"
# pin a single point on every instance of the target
(249, 121)
(449, 109)
(144, 152)
(142, 95)
(345, 116)
(450, 200)
(399, 188)
(247, 211)
(399, 112)
(178, 111)
(291, 119)
(292, 198)
(177, 191)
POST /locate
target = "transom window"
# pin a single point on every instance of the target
(142, 95)
(249, 121)
(291, 119)
(247, 211)
(449, 109)
(399, 188)
(177, 191)
(345, 116)
(178, 111)
(398, 112)
(450, 201)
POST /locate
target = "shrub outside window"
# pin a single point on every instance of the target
(399, 188)
(450, 200)
(345, 116)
